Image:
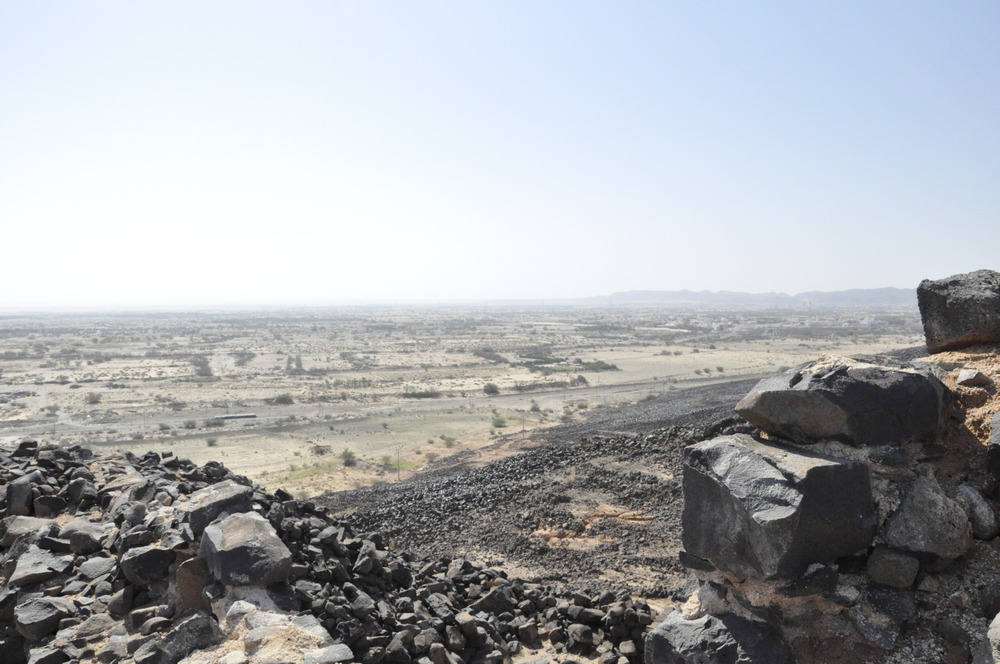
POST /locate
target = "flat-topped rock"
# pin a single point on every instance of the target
(853, 400)
(209, 503)
(37, 565)
(39, 617)
(960, 310)
(15, 527)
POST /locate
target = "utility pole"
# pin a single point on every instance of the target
(397, 463)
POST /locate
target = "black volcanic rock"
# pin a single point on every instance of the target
(761, 511)
(39, 617)
(244, 550)
(725, 639)
(960, 310)
(208, 503)
(852, 400)
(928, 522)
(145, 564)
(141, 582)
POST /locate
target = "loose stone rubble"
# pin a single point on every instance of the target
(151, 560)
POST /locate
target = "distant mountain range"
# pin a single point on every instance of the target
(895, 297)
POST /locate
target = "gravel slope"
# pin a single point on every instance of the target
(596, 505)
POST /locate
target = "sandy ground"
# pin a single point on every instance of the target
(320, 383)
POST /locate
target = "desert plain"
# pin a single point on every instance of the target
(319, 399)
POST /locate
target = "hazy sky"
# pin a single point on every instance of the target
(236, 152)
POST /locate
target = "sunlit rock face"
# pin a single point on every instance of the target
(851, 400)
(759, 510)
(960, 310)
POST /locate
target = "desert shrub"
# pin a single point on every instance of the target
(283, 400)
(499, 422)
(211, 442)
(422, 394)
(215, 422)
(348, 457)
(92, 398)
(489, 354)
(491, 389)
(164, 426)
(190, 424)
(243, 357)
(201, 366)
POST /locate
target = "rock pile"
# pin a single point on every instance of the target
(857, 516)
(152, 560)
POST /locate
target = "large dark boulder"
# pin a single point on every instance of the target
(852, 400)
(725, 639)
(244, 550)
(960, 310)
(760, 510)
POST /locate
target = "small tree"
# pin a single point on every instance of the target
(92, 398)
(348, 457)
(491, 389)
(499, 422)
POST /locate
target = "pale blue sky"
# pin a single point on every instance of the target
(251, 152)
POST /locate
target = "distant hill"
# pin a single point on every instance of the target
(854, 297)
(870, 296)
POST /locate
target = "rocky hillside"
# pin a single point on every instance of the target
(153, 560)
(843, 512)
(858, 523)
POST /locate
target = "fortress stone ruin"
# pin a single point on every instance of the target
(858, 522)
